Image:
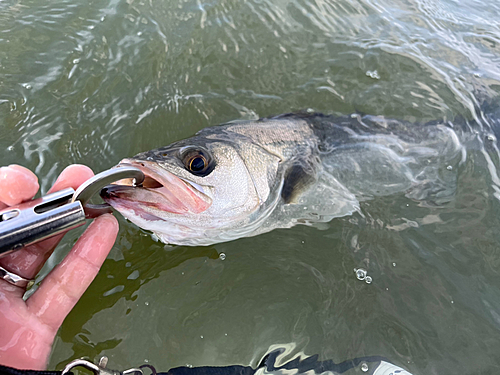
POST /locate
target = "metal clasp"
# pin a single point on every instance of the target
(95, 184)
(45, 217)
(39, 219)
(99, 369)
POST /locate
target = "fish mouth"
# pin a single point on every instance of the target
(160, 191)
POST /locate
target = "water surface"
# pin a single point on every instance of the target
(94, 81)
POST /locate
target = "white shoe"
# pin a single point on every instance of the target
(386, 368)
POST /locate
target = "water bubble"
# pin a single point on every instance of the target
(449, 167)
(222, 256)
(10, 148)
(373, 74)
(364, 367)
(201, 336)
(394, 264)
(146, 360)
(146, 303)
(76, 61)
(27, 86)
(368, 279)
(360, 273)
(491, 138)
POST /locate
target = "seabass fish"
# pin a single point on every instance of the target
(245, 178)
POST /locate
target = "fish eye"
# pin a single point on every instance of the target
(198, 162)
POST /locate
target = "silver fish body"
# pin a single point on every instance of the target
(245, 178)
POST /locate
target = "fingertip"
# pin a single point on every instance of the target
(109, 222)
(72, 176)
(97, 241)
(17, 184)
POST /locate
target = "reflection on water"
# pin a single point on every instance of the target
(92, 82)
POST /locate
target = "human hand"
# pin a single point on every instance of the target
(28, 328)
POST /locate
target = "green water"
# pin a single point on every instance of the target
(94, 81)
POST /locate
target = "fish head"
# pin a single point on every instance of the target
(197, 191)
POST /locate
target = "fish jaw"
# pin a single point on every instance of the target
(161, 192)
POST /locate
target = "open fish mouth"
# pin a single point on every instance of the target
(160, 191)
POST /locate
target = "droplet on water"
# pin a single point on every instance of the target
(222, 256)
(373, 74)
(360, 273)
(364, 367)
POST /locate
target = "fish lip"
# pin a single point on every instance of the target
(168, 192)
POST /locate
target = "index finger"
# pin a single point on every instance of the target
(64, 286)
(17, 184)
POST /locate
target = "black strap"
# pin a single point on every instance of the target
(300, 366)
(209, 370)
(269, 363)
(4, 370)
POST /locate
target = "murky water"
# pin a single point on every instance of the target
(92, 82)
